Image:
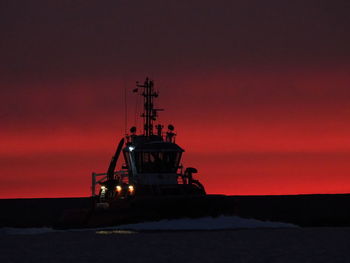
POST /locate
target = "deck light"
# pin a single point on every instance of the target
(131, 148)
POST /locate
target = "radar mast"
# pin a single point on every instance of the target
(149, 114)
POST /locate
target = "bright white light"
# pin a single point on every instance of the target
(131, 148)
(131, 188)
(119, 188)
(103, 188)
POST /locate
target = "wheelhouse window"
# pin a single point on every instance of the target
(157, 162)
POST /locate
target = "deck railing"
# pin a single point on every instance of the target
(100, 177)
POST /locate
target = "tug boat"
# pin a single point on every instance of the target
(151, 183)
(152, 161)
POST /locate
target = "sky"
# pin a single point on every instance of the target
(258, 91)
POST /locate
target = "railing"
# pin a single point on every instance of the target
(94, 182)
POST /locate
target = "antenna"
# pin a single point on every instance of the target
(125, 112)
(149, 114)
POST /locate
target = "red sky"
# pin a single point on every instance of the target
(258, 93)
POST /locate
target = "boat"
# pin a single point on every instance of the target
(152, 161)
(151, 183)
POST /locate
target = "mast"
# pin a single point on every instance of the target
(149, 114)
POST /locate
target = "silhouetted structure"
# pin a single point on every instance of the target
(152, 161)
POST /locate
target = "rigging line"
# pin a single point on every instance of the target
(136, 110)
(125, 112)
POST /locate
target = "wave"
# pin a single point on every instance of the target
(204, 223)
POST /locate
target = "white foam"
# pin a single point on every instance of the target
(205, 223)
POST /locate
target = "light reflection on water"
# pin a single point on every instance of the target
(115, 231)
